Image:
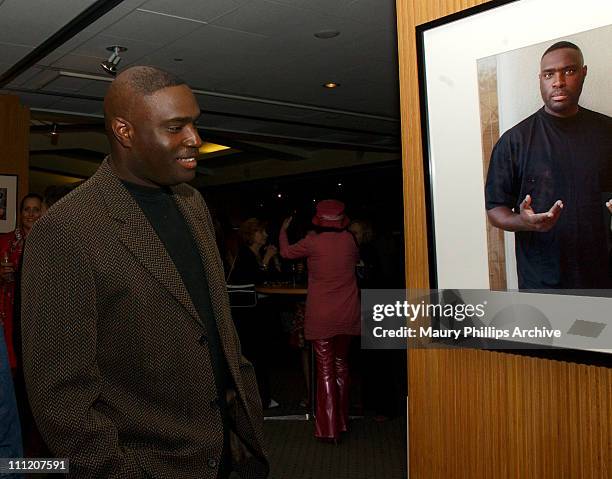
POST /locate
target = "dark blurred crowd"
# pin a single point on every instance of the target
(334, 258)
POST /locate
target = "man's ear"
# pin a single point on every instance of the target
(584, 70)
(123, 131)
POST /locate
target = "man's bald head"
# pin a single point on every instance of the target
(150, 118)
(564, 44)
(131, 85)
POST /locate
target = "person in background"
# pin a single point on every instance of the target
(13, 401)
(255, 263)
(368, 267)
(10, 431)
(11, 251)
(332, 310)
(379, 368)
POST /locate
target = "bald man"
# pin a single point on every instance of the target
(549, 181)
(131, 359)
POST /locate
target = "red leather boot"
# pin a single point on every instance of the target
(326, 407)
(342, 344)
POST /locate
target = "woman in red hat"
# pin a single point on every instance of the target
(332, 310)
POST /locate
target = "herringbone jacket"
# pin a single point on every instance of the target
(116, 363)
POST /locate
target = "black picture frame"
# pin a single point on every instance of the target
(567, 354)
(9, 185)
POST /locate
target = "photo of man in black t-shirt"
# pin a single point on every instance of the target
(547, 181)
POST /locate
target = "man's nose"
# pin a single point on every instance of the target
(559, 79)
(193, 137)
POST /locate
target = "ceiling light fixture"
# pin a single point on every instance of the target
(110, 65)
(331, 84)
(327, 34)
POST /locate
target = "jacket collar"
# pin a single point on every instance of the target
(139, 237)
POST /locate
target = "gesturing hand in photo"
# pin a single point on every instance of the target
(541, 222)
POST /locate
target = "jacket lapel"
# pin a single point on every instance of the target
(194, 211)
(139, 237)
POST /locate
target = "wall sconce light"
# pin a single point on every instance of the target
(54, 135)
(110, 65)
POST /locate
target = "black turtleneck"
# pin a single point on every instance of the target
(166, 219)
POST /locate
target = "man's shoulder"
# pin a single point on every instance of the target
(72, 211)
(77, 202)
(512, 139)
(596, 117)
(522, 128)
(89, 194)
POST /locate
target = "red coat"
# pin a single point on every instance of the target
(332, 305)
(11, 246)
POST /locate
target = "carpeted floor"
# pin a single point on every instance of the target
(370, 450)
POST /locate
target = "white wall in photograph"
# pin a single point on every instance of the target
(517, 77)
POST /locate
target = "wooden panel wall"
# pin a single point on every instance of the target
(482, 414)
(489, 125)
(14, 140)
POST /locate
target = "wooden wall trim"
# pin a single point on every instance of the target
(14, 138)
(476, 414)
(481, 414)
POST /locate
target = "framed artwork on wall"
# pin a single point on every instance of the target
(482, 74)
(8, 203)
(479, 77)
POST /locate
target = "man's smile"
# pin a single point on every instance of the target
(189, 163)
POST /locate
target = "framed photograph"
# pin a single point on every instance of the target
(480, 77)
(8, 203)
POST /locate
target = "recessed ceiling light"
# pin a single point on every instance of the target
(331, 84)
(326, 34)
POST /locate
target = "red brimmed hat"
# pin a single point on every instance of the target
(330, 214)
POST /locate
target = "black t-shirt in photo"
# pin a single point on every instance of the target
(567, 159)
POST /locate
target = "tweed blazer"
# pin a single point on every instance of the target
(115, 355)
